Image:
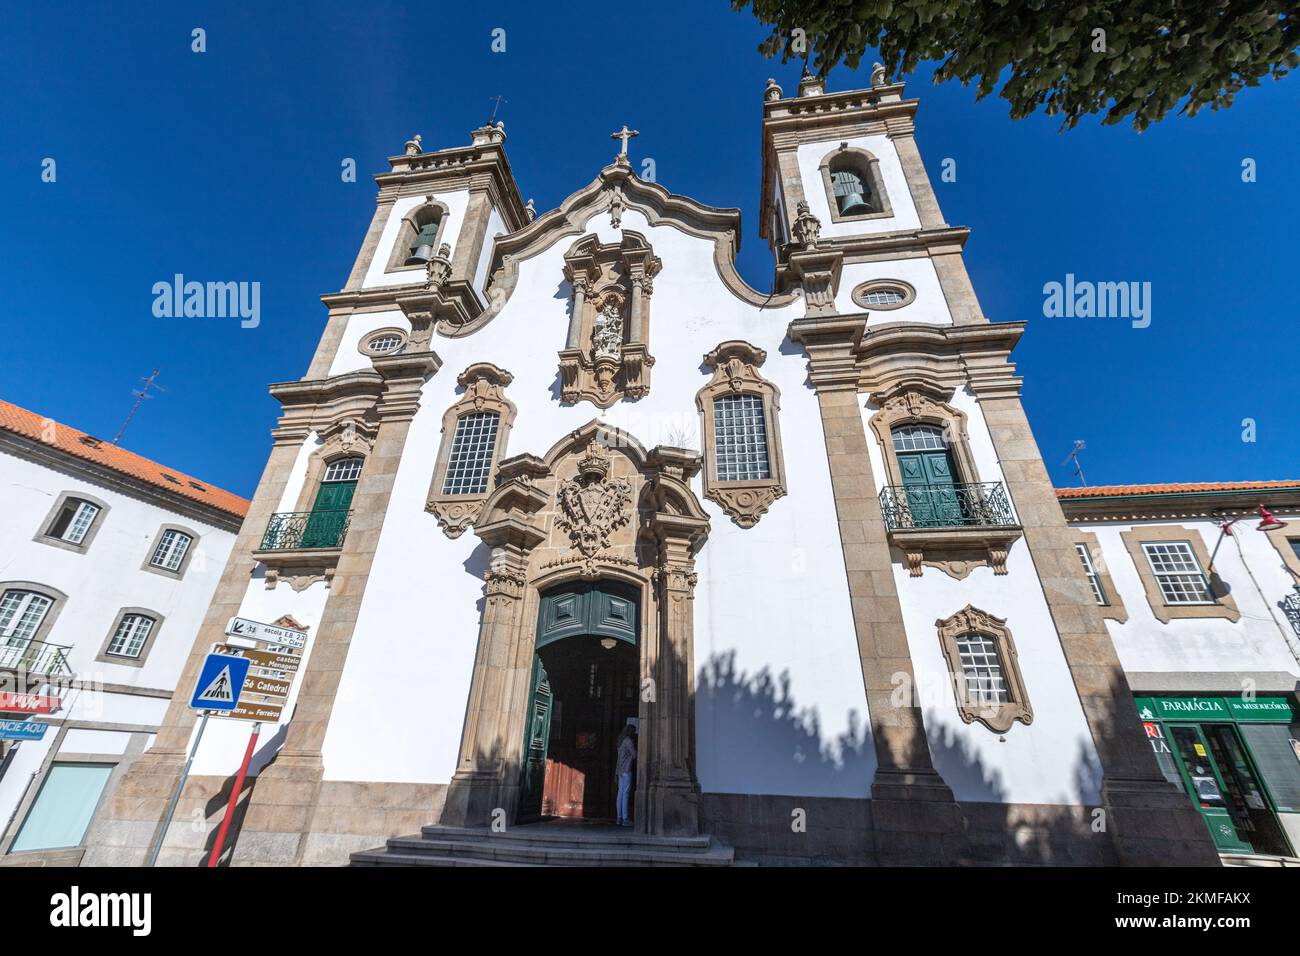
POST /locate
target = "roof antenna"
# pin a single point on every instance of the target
(498, 100)
(140, 395)
(1078, 465)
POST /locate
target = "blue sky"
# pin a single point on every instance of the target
(225, 166)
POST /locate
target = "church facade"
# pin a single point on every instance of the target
(548, 475)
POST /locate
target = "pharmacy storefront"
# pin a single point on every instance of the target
(1238, 759)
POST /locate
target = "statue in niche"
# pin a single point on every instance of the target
(607, 331)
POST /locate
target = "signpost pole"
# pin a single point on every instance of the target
(234, 795)
(176, 797)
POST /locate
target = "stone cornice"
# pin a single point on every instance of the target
(948, 355)
(1182, 506)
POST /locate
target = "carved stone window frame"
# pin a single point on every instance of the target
(868, 166)
(484, 387)
(1114, 608)
(954, 551)
(410, 227)
(996, 717)
(735, 365)
(1224, 606)
(350, 438)
(190, 549)
(920, 403)
(1281, 539)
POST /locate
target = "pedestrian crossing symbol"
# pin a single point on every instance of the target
(220, 682)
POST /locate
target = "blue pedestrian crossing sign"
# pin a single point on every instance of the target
(219, 683)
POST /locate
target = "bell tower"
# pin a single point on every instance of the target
(900, 351)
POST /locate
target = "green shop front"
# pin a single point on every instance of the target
(1238, 759)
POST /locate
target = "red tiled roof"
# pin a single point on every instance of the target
(88, 448)
(1113, 491)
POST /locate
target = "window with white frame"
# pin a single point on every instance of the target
(919, 438)
(887, 296)
(131, 635)
(1090, 570)
(982, 670)
(1177, 572)
(740, 438)
(345, 469)
(385, 343)
(171, 550)
(472, 445)
(21, 614)
(73, 521)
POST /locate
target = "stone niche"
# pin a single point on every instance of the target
(606, 356)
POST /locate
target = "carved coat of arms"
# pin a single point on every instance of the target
(593, 506)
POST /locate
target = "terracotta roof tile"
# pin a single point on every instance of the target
(78, 444)
(1113, 491)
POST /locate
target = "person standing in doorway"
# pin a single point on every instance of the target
(625, 761)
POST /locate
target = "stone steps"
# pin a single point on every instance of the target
(544, 846)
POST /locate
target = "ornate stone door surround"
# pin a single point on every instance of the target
(597, 505)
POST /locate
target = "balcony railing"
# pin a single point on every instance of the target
(36, 657)
(300, 530)
(981, 504)
(1291, 608)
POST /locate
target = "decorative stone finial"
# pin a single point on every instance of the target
(810, 85)
(413, 147)
(878, 77)
(530, 210)
(807, 227)
(438, 268)
(772, 91)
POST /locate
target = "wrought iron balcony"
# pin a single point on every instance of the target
(303, 530)
(1291, 608)
(36, 657)
(980, 504)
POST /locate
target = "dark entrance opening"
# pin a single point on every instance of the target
(584, 691)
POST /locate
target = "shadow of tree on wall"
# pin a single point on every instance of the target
(757, 734)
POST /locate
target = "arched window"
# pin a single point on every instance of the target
(73, 522)
(474, 435)
(854, 186)
(21, 614)
(744, 472)
(130, 635)
(421, 233)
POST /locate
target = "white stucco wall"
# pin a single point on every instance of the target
(1254, 643)
(929, 306)
(810, 156)
(456, 203)
(1052, 759)
(98, 583)
(789, 715)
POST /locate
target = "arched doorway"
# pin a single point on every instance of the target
(585, 676)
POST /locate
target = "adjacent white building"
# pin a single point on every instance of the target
(1199, 592)
(109, 564)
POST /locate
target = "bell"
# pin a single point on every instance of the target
(854, 205)
(422, 254)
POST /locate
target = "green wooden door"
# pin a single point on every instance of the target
(329, 514)
(537, 737)
(930, 484)
(1205, 784)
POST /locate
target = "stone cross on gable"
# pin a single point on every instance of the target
(624, 134)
